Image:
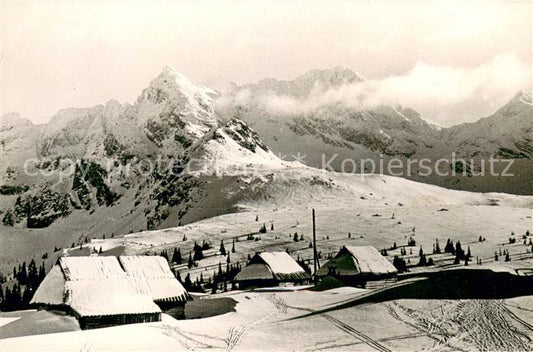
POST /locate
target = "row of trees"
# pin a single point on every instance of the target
(505, 253)
(196, 254)
(30, 276)
(297, 238)
(217, 282)
(451, 248)
(26, 281)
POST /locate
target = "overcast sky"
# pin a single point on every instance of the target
(451, 61)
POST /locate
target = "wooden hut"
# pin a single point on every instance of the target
(271, 269)
(99, 291)
(359, 266)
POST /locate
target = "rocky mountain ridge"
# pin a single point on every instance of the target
(348, 130)
(159, 160)
(92, 158)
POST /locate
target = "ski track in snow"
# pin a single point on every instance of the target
(479, 324)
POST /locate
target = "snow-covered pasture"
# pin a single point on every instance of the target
(370, 224)
(393, 325)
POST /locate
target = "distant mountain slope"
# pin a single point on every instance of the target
(305, 84)
(507, 133)
(391, 130)
(13, 120)
(232, 148)
(167, 159)
(88, 158)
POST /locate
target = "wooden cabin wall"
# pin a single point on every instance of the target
(94, 322)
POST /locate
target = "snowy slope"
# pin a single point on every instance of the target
(393, 325)
(233, 148)
(506, 133)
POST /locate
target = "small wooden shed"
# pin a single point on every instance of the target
(271, 269)
(358, 266)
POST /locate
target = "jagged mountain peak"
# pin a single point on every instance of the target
(521, 103)
(113, 104)
(523, 97)
(173, 94)
(330, 78)
(305, 84)
(170, 84)
(520, 99)
(173, 76)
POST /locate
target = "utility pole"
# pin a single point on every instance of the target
(315, 256)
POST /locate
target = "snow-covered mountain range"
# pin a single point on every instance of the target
(143, 164)
(319, 115)
(174, 157)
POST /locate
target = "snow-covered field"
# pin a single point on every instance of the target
(262, 321)
(377, 211)
(7, 320)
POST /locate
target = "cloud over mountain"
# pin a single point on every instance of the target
(442, 93)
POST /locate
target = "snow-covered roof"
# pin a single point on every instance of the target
(151, 275)
(369, 261)
(281, 263)
(272, 265)
(101, 286)
(106, 297)
(91, 268)
(51, 289)
(255, 272)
